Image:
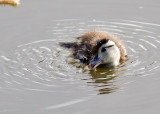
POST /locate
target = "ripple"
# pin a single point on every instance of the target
(44, 65)
(65, 104)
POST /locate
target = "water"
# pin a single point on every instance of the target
(38, 76)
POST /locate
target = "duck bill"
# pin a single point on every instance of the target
(94, 63)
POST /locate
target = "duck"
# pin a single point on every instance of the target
(13, 3)
(98, 48)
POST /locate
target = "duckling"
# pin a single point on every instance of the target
(13, 3)
(97, 48)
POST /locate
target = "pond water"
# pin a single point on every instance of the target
(39, 77)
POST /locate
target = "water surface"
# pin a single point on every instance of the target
(38, 76)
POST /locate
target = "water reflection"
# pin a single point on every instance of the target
(103, 79)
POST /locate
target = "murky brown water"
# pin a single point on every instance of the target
(38, 76)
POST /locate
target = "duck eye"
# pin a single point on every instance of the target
(103, 49)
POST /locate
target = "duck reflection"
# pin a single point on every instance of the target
(104, 79)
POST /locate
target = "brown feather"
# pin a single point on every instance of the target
(88, 44)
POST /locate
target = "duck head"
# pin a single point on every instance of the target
(107, 54)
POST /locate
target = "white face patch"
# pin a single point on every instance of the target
(109, 53)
